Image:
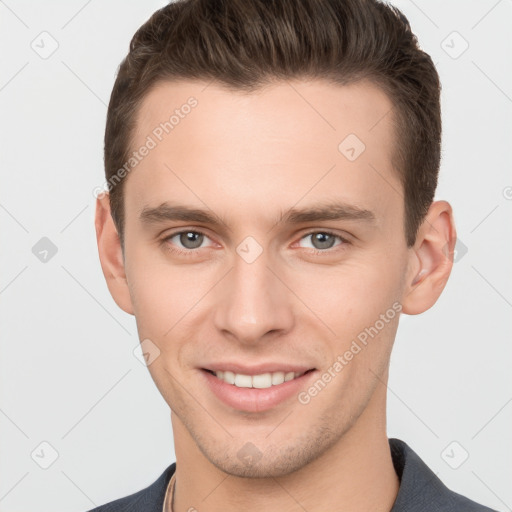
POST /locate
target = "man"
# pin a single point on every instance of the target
(271, 169)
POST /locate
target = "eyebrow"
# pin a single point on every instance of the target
(325, 211)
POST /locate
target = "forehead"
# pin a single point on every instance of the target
(287, 142)
(291, 109)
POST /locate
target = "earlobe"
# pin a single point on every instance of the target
(432, 256)
(111, 255)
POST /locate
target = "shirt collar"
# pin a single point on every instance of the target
(420, 488)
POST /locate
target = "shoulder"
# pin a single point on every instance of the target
(149, 499)
(420, 489)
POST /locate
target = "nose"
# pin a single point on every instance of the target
(254, 302)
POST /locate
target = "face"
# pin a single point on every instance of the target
(264, 239)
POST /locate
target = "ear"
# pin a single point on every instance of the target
(431, 259)
(111, 254)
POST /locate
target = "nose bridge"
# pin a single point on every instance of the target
(254, 301)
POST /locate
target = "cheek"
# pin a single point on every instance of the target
(352, 295)
(161, 293)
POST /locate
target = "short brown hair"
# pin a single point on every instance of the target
(246, 44)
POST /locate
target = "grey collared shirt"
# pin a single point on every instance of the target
(420, 489)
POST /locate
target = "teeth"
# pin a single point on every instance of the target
(229, 377)
(243, 381)
(277, 378)
(262, 381)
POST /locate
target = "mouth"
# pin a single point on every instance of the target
(259, 381)
(256, 387)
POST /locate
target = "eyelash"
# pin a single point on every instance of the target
(191, 253)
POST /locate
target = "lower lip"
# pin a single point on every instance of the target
(255, 399)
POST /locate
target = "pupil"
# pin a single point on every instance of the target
(324, 240)
(191, 240)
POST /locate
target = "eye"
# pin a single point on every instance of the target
(188, 240)
(323, 240)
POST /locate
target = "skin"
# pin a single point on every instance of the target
(249, 158)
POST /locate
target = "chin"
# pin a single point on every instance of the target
(273, 461)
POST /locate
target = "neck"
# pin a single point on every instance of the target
(356, 474)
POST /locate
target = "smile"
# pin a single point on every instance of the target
(261, 381)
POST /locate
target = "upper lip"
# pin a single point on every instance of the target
(257, 369)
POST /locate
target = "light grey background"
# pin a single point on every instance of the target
(68, 373)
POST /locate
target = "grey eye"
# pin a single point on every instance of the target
(190, 239)
(322, 240)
